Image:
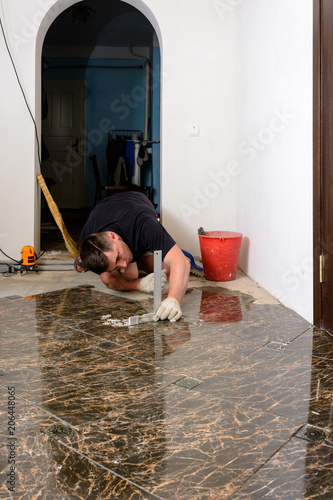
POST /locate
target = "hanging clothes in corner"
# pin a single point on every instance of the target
(130, 155)
(142, 154)
(115, 150)
(124, 144)
(122, 173)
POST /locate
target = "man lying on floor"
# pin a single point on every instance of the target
(119, 239)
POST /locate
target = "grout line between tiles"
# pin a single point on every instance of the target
(108, 470)
(299, 335)
(40, 408)
(148, 394)
(267, 460)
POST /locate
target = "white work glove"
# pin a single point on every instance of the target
(169, 309)
(147, 283)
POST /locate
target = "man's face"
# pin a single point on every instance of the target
(119, 257)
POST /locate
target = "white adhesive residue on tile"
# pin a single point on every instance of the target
(107, 320)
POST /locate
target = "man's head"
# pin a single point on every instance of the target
(105, 252)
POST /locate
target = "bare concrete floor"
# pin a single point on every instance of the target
(46, 281)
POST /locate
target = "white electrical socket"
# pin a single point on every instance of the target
(194, 130)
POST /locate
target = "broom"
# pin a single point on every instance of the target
(70, 244)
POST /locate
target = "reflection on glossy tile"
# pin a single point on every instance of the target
(298, 470)
(201, 409)
(209, 348)
(19, 312)
(212, 307)
(87, 383)
(174, 436)
(43, 468)
(41, 342)
(268, 379)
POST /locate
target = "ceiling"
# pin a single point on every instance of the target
(108, 23)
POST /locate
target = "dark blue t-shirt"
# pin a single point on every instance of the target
(132, 216)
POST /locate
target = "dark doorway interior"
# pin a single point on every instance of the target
(51, 237)
(96, 43)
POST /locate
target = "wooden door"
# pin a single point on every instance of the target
(62, 132)
(323, 164)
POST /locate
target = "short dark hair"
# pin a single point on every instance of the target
(92, 252)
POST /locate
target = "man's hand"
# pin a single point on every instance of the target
(147, 283)
(169, 309)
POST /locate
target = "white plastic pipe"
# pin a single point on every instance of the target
(147, 69)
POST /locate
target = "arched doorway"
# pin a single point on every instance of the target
(96, 57)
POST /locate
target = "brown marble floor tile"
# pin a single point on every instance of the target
(87, 384)
(46, 469)
(19, 313)
(321, 401)
(108, 323)
(93, 312)
(41, 342)
(322, 345)
(278, 381)
(271, 323)
(200, 350)
(300, 470)
(71, 355)
(183, 445)
(16, 311)
(79, 306)
(107, 327)
(329, 440)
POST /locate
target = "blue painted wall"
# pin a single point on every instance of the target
(115, 100)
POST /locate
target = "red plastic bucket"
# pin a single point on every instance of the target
(220, 253)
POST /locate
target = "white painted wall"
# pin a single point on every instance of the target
(274, 111)
(226, 66)
(25, 24)
(242, 71)
(17, 191)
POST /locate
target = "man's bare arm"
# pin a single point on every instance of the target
(179, 272)
(122, 280)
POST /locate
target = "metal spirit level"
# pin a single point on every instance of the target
(146, 318)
